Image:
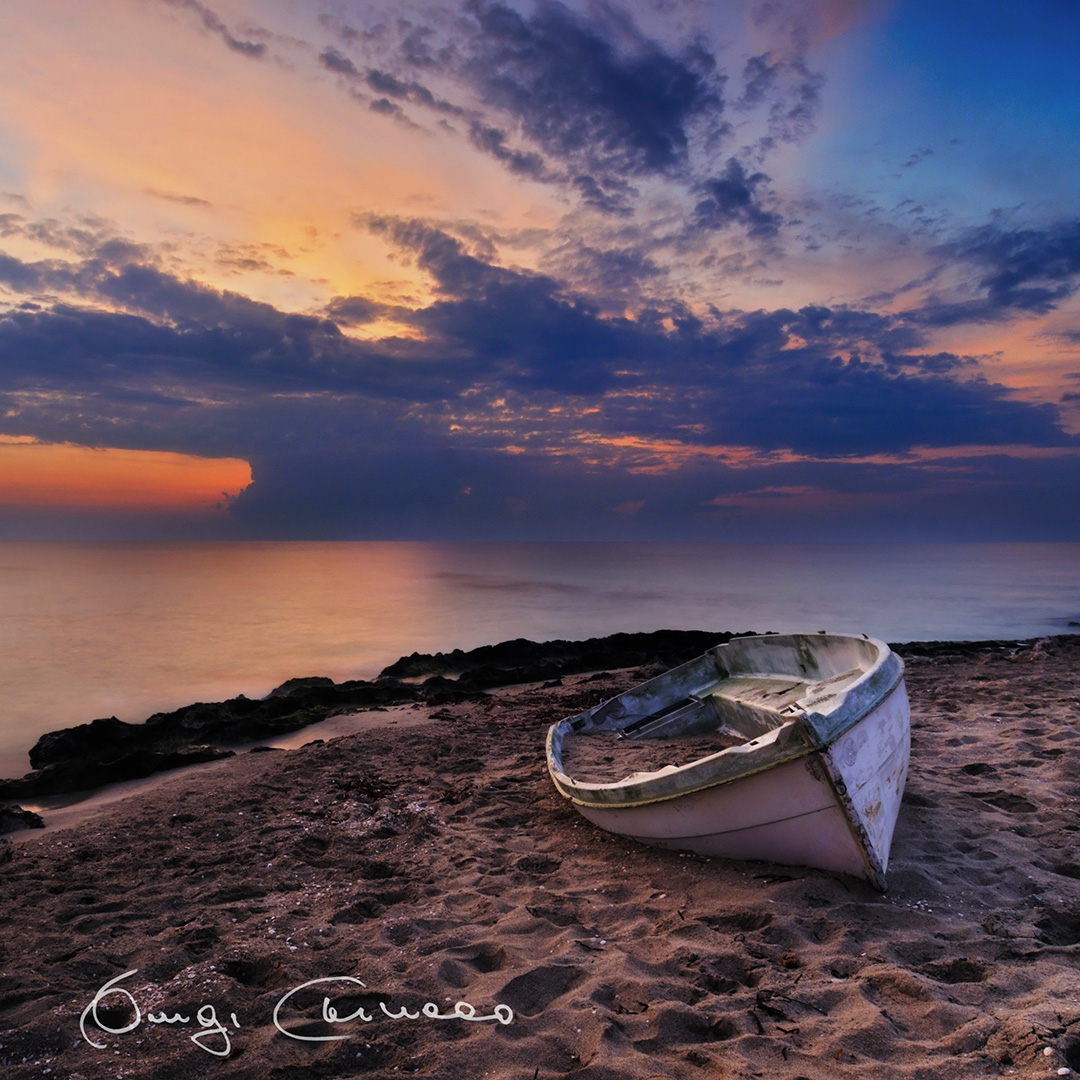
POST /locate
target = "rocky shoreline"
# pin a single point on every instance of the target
(107, 751)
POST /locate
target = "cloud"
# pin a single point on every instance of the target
(509, 381)
(212, 22)
(492, 140)
(1019, 272)
(789, 88)
(614, 274)
(553, 95)
(386, 85)
(354, 310)
(613, 200)
(844, 380)
(733, 197)
(588, 103)
(582, 100)
(334, 61)
(184, 200)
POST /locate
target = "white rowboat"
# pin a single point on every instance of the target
(787, 748)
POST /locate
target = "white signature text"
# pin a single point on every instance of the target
(213, 1035)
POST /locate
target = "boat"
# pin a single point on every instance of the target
(789, 749)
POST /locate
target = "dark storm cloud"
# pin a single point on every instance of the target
(830, 406)
(409, 482)
(581, 99)
(1020, 271)
(523, 323)
(66, 347)
(176, 329)
(497, 329)
(733, 197)
(931, 363)
(212, 22)
(454, 269)
(750, 382)
(354, 437)
(20, 276)
(767, 379)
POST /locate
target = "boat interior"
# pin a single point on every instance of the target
(736, 709)
(742, 706)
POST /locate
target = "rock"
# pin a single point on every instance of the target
(67, 743)
(521, 660)
(14, 818)
(108, 750)
(289, 685)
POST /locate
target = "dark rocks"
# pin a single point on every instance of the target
(92, 770)
(937, 650)
(109, 750)
(56, 746)
(521, 660)
(289, 685)
(14, 818)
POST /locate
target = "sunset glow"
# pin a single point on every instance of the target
(344, 261)
(60, 474)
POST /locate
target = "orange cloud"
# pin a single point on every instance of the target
(249, 172)
(62, 475)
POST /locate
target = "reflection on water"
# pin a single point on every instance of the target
(91, 630)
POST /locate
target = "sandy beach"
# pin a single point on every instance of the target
(434, 862)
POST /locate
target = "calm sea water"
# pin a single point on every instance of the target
(90, 630)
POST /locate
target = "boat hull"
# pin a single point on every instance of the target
(832, 810)
(817, 780)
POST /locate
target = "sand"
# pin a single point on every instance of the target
(437, 864)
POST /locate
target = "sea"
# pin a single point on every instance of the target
(128, 629)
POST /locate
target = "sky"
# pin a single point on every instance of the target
(502, 269)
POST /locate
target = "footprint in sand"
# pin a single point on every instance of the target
(1059, 927)
(957, 970)
(531, 993)
(1005, 800)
